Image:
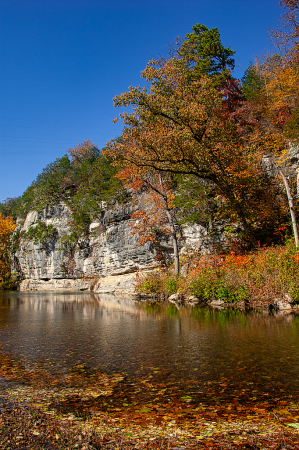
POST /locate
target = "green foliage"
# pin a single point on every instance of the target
(206, 54)
(83, 183)
(208, 284)
(69, 241)
(251, 83)
(16, 239)
(101, 190)
(294, 291)
(41, 233)
(171, 285)
(151, 285)
(275, 271)
(194, 200)
(158, 282)
(11, 207)
(205, 284)
(86, 183)
(9, 285)
(242, 293)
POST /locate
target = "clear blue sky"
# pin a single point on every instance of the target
(62, 62)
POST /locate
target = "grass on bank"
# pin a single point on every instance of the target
(265, 274)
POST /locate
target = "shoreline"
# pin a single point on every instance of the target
(123, 285)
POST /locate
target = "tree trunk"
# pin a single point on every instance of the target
(291, 206)
(172, 229)
(238, 209)
(174, 242)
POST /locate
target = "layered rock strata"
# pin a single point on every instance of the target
(106, 261)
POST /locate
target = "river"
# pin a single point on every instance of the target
(60, 330)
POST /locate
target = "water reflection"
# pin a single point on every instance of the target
(63, 329)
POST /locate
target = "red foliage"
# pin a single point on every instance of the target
(235, 109)
(148, 229)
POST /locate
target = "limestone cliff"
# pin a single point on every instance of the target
(106, 261)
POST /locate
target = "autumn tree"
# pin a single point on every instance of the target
(7, 227)
(286, 36)
(271, 86)
(161, 217)
(82, 151)
(193, 120)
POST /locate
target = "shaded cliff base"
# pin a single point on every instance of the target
(119, 285)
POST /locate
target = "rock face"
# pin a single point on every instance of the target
(38, 261)
(106, 261)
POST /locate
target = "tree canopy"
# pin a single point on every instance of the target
(194, 124)
(193, 120)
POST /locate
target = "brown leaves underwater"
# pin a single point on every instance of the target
(86, 409)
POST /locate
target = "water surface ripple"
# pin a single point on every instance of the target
(60, 330)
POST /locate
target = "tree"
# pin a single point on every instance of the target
(161, 217)
(203, 53)
(280, 103)
(193, 120)
(82, 151)
(7, 227)
(272, 86)
(286, 37)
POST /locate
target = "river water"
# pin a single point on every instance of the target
(60, 330)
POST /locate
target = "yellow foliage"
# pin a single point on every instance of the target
(279, 95)
(271, 142)
(7, 227)
(282, 88)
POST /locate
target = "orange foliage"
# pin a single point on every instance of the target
(194, 129)
(7, 227)
(266, 273)
(279, 96)
(160, 218)
(149, 229)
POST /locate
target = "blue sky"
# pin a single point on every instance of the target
(63, 61)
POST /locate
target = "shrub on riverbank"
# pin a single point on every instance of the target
(264, 274)
(9, 285)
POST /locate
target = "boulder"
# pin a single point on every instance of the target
(192, 300)
(217, 303)
(282, 304)
(176, 299)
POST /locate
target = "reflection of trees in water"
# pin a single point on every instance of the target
(122, 334)
(252, 347)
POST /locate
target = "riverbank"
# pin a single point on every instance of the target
(87, 409)
(267, 278)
